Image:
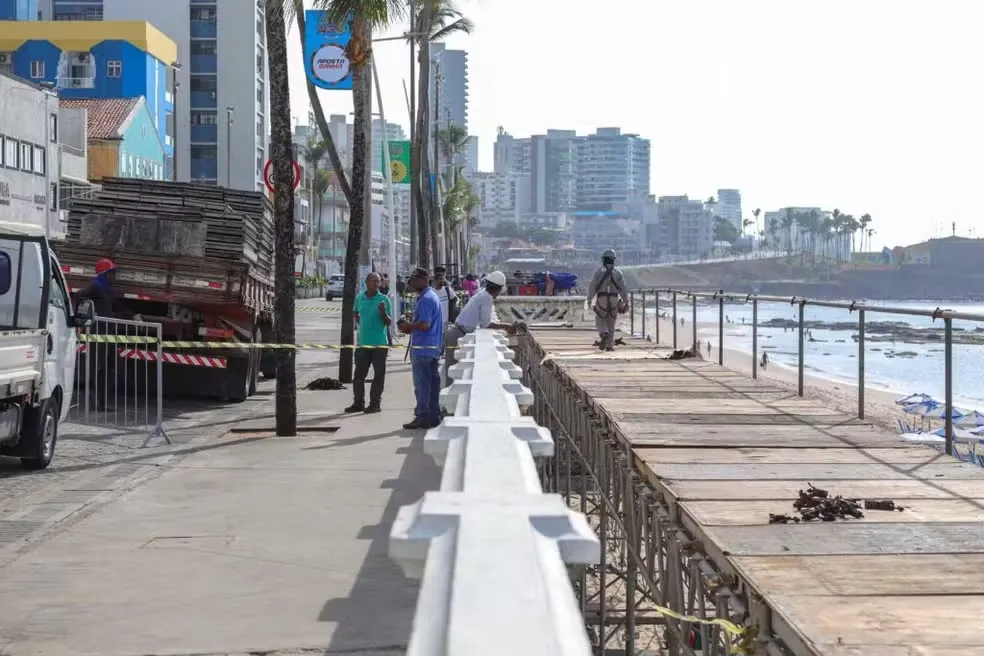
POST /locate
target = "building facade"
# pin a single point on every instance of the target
(30, 167)
(222, 100)
(511, 154)
(502, 198)
(685, 227)
(729, 207)
(122, 139)
(19, 10)
(449, 77)
(554, 171)
(612, 168)
(594, 231)
(106, 60)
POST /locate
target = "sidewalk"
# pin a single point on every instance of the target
(250, 544)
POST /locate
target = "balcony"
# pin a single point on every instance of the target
(203, 29)
(204, 133)
(204, 100)
(204, 64)
(76, 83)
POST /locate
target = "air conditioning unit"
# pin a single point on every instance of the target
(82, 57)
(211, 94)
(4, 58)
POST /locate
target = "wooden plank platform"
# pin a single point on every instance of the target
(728, 451)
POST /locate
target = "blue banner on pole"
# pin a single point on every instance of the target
(325, 59)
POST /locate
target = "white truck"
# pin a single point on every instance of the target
(37, 345)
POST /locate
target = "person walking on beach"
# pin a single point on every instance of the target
(611, 299)
(373, 312)
(765, 361)
(426, 337)
(708, 348)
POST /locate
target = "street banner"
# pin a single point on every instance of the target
(325, 59)
(399, 162)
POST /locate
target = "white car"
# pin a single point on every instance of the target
(335, 286)
(37, 345)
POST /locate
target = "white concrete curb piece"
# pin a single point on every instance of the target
(490, 546)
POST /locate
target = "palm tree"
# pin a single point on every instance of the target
(452, 142)
(758, 228)
(438, 19)
(788, 219)
(314, 152)
(365, 15)
(282, 154)
(863, 224)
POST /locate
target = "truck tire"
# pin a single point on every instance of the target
(40, 435)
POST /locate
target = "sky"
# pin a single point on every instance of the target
(867, 106)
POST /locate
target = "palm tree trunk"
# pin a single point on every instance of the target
(361, 178)
(281, 147)
(422, 138)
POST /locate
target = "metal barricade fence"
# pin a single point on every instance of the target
(118, 382)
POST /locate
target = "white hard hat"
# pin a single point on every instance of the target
(496, 278)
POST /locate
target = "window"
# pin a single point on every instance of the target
(37, 69)
(114, 68)
(53, 196)
(204, 48)
(6, 273)
(11, 153)
(53, 127)
(59, 298)
(26, 157)
(203, 14)
(204, 152)
(204, 118)
(40, 160)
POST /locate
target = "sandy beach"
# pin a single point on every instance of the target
(879, 406)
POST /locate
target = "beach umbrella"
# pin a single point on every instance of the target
(957, 432)
(915, 398)
(973, 418)
(977, 431)
(921, 408)
(939, 412)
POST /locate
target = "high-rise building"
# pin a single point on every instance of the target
(452, 68)
(471, 155)
(685, 227)
(222, 100)
(729, 206)
(19, 10)
(393, 132)
(611, 168)
(503, 197)
(511, 155)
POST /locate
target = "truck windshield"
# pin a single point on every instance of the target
(21, 284)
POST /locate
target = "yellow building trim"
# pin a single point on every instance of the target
(81, 36)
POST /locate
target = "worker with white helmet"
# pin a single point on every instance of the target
(611, 298)
(477, 313)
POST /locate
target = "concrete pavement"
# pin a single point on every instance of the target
(242, 544)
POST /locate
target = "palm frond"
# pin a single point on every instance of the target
(378, 13)
(460, 26)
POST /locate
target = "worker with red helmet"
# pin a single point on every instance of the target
(101, 292)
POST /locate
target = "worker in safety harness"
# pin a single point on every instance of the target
(611, 298)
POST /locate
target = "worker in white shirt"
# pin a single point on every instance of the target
(476, 314)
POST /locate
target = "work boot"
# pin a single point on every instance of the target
(356, 407)
(418, 422)
(372, 409)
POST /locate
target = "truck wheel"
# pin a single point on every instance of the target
(40, 435)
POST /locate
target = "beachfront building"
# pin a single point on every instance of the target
(122, 139)
(84, 60)
(684, 227)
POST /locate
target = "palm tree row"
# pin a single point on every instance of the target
(816, 232)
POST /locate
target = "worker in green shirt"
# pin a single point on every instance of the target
(373, 312)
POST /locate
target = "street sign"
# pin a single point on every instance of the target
(268, 170)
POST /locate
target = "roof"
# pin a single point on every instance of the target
(21, 229)
(107, 117)
(82, 35)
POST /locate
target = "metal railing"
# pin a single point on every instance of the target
(492, 549)
(119, 383)
(673, 297)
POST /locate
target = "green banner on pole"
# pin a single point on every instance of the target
(399, 162)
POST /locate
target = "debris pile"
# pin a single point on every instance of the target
(683, 354)
(325, 384)
(816, 504)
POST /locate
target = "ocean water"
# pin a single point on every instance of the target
(834, 354)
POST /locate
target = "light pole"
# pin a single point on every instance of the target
(175, 67)
(230, 119)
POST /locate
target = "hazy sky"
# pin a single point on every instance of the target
(863, 105)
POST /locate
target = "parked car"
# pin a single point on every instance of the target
(336, 283)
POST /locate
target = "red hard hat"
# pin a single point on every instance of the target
(103, 265)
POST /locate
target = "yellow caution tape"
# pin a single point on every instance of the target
(124, 339)
(730, 628)
(316, 308)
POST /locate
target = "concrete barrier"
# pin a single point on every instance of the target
(492, 549)
(542, 310)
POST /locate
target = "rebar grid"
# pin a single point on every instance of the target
(648, 559)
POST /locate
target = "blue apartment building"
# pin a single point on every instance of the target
(96, 60)
(19, 10)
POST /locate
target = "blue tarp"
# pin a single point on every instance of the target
(562, 281)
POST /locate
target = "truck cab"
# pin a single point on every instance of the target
(37, 345)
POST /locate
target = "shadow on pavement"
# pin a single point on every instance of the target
(377, 616)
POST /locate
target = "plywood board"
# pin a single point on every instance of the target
(845, 538)
(746, 420)
(756, 513)
(929, 574)
(815, 472)
(709, 435)
(901, 454)
(923, 625)
(899, 490)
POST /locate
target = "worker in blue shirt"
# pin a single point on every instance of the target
(426, 339)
